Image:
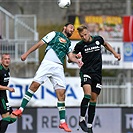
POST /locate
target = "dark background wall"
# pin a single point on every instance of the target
(48, 12)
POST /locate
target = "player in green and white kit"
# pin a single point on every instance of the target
(58, 46)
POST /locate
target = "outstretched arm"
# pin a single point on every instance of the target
(33, 48)
(109, 47)
(72, 58)
(78, 56)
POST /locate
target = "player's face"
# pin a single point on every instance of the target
(85, 35)
(68, 30)
(5, 60)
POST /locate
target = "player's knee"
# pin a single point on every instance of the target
(34, 86)
(60, 93)
(93, 99)
(61, 98)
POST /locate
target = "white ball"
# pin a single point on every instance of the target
(64, 3)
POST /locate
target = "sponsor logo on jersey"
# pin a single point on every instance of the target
(91, 49)
(62, 40)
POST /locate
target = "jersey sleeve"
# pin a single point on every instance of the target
(70, 50)
(77, 49)
(101, 40)
(46, 39)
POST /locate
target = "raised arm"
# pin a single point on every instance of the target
(109, 47)
(33, 48)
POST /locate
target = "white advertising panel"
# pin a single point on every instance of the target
(108, 59)
(45, 95)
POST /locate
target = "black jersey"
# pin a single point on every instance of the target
(4, 80)
(91, 54)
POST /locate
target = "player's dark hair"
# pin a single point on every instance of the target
(68, 24)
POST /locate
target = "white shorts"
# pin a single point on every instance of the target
(53, 71)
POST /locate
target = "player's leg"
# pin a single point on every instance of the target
(5, 111)
(84, 106)
(4, 124)
(58, 81)
(28, 95)
(60, 93)
(39, 78)
(91, 111)
(96, 88)
(4, 114)
(86, 85)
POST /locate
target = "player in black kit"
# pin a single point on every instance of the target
(90, 73)
(5, 109)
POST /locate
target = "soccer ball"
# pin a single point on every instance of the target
(64, 3)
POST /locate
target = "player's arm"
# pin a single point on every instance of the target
(109, 48)
(70, 61)
(75, 52)
(72, 58)
(78, 56)
(45, 40)
(7, 88)
(33, 48)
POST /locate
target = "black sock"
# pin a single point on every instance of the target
(3, 126)
(91, 112)
(84, 105)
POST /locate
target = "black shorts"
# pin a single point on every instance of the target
(94, 80)
(4, 106)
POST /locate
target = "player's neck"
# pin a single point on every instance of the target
(90, 39)
(64, 34)
(6, 67)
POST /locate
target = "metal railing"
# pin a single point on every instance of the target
(16, 48)
(17, 34)
(115, 92)
(18, 26)
(25, 27)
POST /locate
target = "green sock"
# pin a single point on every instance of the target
(91, 112)
(84, 105)
(26, 98)
(62, 112)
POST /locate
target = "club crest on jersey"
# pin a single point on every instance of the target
(62, 40)
(97, 42)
